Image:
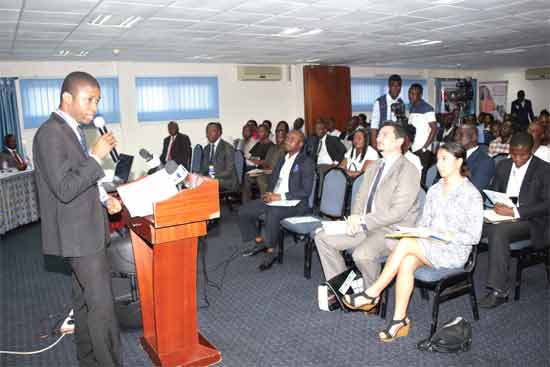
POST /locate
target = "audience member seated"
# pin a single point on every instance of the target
(381, 110)
(422, 117)
(406, 148)
(291, 179)
(275, 152)
(299, 124)
(522, 111)
(480, 165)
(260, 149)
(363, 123)
(351, 126)
(218, 159)
(447, 130)
(253, 128)
(486, 120)
(246, 142)
(176, 146)
(9, 156)
(501, 144)
(525, 179)
(388, 197)
(331, 127)
(544, 117)
(269, 126)
(537, 132)
(282, 125)
(360, 155)
(453, 207)
(328, 150)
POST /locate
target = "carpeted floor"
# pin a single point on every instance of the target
(269, 318)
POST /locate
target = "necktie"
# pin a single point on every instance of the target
(17, 158)
(82, 139)
(374, 187)
(212, 147)
(169, 154)
(320, 146)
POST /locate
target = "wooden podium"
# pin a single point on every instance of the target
(165, 252)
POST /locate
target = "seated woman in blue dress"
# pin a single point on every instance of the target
(453, 207)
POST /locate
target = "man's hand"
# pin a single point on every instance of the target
(104, 145)
(21, 167)
(113, 205)
(501, 209)
(353, 225)
(270, 196)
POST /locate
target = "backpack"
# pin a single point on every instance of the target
(453, 337)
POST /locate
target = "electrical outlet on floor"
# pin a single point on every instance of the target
(68, 325)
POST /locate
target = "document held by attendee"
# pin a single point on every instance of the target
(139, 196)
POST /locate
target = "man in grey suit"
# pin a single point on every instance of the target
(218, 159)
(387, 197)
(73, 220)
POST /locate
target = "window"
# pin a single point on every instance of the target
(40, 97)
(177, 98)
(364, 91)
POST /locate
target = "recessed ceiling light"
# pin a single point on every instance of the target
(83, 53)
(100, 19)
(312, 32)
(289, 31)
(130, 21)
(63, 53)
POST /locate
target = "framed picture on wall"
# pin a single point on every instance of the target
(492, 98)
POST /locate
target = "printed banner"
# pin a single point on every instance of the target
(492, 98)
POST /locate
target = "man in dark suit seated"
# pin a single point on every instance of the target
(291, 179)
(9, 156)
(176, 147)
(218, 159)
(481, 166)
(522, 110)
(525, 179)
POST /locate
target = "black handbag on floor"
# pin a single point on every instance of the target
(454, 336)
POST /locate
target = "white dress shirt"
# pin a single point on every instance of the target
(323, 157)
(281, 187)
(355, 163)
(375, 120)
(515, 181)
(414, 159)
(335, 132)
(470, 151)
(103, 196)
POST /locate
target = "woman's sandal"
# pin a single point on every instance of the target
(386, 336)
(360, 301)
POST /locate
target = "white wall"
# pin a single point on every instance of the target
(239, 101)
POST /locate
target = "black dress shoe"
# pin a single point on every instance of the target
(268, 262)
(255, 250)
(493, 299)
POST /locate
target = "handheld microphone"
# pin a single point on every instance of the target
(151, 161)
(177, 172)
(99, 122)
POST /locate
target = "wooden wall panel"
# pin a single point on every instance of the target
(327, 93)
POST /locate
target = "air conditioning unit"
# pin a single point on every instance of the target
(537, 74)
(248, 73)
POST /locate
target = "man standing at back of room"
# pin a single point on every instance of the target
(422, 117)
(176, 146)
(381, 110)
(73, 220)
(522, 110)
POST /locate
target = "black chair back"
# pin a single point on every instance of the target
(196, 159)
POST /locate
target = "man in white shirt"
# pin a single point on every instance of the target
(387, 197)
(291, 179)
(525, 179)
(10, 155)
(537, 131)
(381, 110)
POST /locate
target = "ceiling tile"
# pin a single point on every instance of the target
(34, 16)
(273, 7)
(208, 4)
(186, 13)
(8, 16)
(77, 6)
(215, 27)
(45, 27)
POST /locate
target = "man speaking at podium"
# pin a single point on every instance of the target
(74, 223)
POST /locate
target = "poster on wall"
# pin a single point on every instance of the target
(492, 98)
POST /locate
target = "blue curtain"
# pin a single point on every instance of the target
(364, 91)
(9, 119)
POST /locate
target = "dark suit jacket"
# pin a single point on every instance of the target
(73, 221)
(534, 195)
(224, 165)
(335, 148)
(482, 169)
(181, 150)
(524, 114)
(447, 139)
(300, 181)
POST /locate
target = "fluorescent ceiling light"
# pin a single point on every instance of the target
(130, 21)
(413, 42)
(313, 60)
(63, 52)
(431, 43)
(289, 31)
(83, 53)
(100, 19)
(506, 51)
(312, 32)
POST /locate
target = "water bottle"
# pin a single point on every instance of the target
(211, 171)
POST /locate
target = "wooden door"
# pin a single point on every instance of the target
(327, 94)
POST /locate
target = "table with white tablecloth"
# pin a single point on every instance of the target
(18, 200)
